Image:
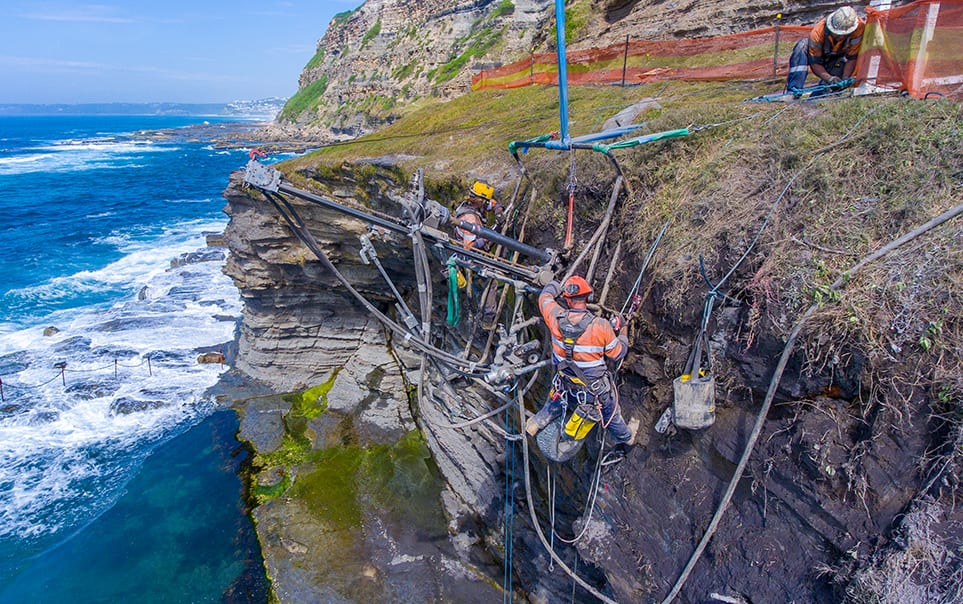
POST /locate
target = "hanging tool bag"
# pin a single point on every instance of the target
(694, 403)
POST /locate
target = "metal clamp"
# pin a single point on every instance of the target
(261, 176)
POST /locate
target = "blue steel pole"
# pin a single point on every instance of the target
(562, 73)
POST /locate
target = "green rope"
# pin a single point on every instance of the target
(641, 140)
(454, 305)
(513, 146)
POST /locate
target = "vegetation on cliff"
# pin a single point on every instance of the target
(805, 191)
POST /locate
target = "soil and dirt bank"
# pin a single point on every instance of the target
(852, 490)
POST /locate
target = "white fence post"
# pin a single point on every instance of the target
(868, 86)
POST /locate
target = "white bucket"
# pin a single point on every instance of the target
(694, 406)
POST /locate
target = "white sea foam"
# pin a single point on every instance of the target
(83, 154)
(65, 448)
(142, 261)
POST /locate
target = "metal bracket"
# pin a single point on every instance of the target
(367, 251)
(261, 176)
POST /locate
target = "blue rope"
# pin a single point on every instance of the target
(509, 509)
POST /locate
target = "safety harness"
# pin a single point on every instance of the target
(570, 378)
(832, 58)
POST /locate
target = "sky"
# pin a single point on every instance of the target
(141, 51)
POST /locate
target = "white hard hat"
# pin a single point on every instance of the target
(842, 22)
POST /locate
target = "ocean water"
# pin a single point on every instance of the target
(118, 473)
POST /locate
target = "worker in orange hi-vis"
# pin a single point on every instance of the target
(581, 345)
(479, 201)
(474, 209)
(830, 51)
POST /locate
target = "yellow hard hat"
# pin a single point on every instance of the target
(482, 189)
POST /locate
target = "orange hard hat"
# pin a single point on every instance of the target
(575, 287)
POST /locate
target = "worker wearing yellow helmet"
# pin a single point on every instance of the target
(478, 202)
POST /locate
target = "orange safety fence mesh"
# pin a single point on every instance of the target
(747, 55)
(917, 48)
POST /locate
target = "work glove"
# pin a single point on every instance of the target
(499, 213)
(617, 322)
(554, 288)
(834, 80)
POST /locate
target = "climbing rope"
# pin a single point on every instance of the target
(593, 491)
(509, 506)
(454, 304)
(572, 183)
(534, 518)
(633, 297)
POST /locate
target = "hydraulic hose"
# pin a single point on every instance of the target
(297, 225)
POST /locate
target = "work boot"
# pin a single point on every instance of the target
(634, 429)
(617, 454)
(622, 449)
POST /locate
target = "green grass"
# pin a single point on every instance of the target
(576, 17)
(306, 99)
(404, 71)
(315, 60)
(343, 16)
(481, 41)
(373, 31)
(504, 7)
(476, 128)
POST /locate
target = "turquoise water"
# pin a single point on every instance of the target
(177, 534)
(117, 468)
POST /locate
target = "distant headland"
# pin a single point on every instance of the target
(264, 109)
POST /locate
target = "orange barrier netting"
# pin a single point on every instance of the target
(917, 47)
(747, 55)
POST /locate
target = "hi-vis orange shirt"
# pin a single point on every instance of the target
(822, 45)
(596, 343)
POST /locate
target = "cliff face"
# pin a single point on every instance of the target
(301, 329)
(836, 469)
(375, 63)
(387, 54)
(851, 490)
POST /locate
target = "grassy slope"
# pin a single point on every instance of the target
(863, 171)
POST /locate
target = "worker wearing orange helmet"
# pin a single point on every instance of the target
(474, 209)
(581, 345)
(830, 51)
